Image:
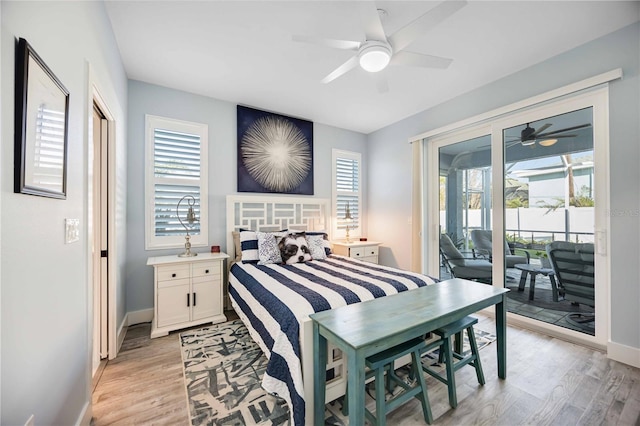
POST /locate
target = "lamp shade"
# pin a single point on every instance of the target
(548, 142)
(374, 56)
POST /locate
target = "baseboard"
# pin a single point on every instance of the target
(625, 354)
(139, 317)
(85, 416)
(120, 335)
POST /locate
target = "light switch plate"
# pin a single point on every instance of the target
(71, 230)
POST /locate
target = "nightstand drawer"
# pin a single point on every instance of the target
(356, 252)
(173, 272)
(370, 251)
(362, 250)
(204, 269)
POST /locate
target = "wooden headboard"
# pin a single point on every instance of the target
(273, 213)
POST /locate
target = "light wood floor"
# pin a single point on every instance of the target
(549, 382)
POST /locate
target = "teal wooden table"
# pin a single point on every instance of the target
(363, 329)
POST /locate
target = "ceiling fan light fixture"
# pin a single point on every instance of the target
(529, 142)
(374, 56)
(548, 142)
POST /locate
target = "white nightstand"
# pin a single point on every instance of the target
(363, 250)
(187, 291)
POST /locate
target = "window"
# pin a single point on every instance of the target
(176, 165)
(347, 191)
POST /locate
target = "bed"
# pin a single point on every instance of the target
(274, 300)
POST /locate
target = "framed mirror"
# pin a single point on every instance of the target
(41, 124)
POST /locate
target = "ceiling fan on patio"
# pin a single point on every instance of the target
(379, 50)
(529, 135)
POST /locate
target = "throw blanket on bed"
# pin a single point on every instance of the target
(273, 300)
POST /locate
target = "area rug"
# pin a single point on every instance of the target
(223, 369)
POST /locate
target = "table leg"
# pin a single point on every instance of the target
(319, 375)
(532, 284)
(501, 337)
(523, 280)
(355, 377)
(554, 287)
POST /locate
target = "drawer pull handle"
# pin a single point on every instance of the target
(206, 271)
(188, 300)
(173, 275)
(194, 299)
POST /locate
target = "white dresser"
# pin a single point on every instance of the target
(187, 291)
(363, 250)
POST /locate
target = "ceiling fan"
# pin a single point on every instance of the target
(377, 50)
(529, 135)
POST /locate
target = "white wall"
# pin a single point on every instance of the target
(1, 216)
(45, 291)
(220, 116)
(389, 152)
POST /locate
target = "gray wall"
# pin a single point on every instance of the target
(390, 180)
(220, 116)
(46, 313)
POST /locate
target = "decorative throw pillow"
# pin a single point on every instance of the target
(325, 240)
(268, 250)
(294, 248)
(316, 247)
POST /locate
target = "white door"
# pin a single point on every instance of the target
(100, 247)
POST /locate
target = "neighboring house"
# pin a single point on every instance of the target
(45, 296)
(547, 184)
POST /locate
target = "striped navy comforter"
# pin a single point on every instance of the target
(273, 300)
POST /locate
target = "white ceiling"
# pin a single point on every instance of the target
(242, 52)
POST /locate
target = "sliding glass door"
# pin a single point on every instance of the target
(549, 203)
(521, 203)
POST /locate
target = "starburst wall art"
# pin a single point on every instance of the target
(275, 153)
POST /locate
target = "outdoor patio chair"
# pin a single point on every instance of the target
(482, 244)
(574, 267)
(461, 266)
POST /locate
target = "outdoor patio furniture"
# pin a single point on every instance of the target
(483, 245)
(574, 266)
(461, 266)
(532, 271)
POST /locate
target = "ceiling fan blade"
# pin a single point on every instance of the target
(381, 81)
(328, 42)
(412, 59)
(342, 69)
(370, 21)
(557, 136)
(406, 35)
(541, 129)
(566, 129)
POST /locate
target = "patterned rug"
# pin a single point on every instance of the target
(223, 369)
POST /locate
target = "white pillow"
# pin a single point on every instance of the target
(268, 250)
(316, 245)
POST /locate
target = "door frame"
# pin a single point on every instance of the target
(595, 97)
(95, 96)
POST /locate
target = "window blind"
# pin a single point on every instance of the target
(347, 180)
(176, 167)
(165, 212)
(176, 156)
